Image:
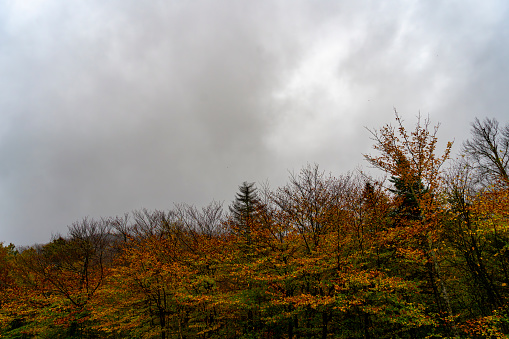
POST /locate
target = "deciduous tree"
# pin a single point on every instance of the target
(489, 150)
(410, 159)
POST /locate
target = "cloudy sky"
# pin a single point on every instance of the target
(107, 106)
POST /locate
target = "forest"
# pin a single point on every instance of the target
(422, 251)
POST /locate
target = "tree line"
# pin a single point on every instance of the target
(420, 253)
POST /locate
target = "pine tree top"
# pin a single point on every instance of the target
(245, 201)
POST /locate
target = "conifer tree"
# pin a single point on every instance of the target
(244, 208)
(409, 189)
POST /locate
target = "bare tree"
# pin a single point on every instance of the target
(489, 150)
(121, 226)
(207, 221)
(91, 239)
(306, 202)
(150, 223)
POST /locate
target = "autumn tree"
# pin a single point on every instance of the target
(477, 236)
(61, 278)
(410, 159)
(484, 208)
(167, 276)
(326, 231)
(6, 262)
(8, 288)
(476, 247)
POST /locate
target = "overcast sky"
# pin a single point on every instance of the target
(107, 106)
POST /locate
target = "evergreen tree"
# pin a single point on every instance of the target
(408, 190)
(244, 212)
(244, 209)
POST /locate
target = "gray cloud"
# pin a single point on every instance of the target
(113, 106)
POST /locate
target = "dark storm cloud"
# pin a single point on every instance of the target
(113, 106)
